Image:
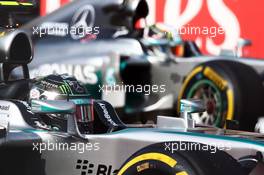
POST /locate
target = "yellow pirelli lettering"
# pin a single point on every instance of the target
(148, 156)
(182, 173)
(215, 77)
(230, 110)
(143, 166)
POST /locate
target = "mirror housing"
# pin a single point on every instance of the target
(15, 50)
(192, 106)
(15, 47)
(188, 107)
(242, 42)
(52, 107)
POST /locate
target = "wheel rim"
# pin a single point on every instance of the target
(211, 95)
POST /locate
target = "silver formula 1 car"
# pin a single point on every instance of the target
(95, 141)
(99, 44)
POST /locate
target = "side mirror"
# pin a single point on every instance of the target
(59, 107)
(52, 107)
(190, 106)
(241, 44)
(15, 50)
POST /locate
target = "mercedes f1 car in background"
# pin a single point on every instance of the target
(114, 53)
(175, 146)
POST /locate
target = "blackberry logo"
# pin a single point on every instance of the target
(87, 168)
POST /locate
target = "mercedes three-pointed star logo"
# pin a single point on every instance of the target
(82, 20)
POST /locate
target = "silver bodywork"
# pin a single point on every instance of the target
(111, 150)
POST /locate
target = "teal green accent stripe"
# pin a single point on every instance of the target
(34, 130)
(49, 109)
(81, 101)
(226, 138)
(135, 130)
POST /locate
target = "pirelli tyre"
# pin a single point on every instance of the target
(231, 90)
(157, 160)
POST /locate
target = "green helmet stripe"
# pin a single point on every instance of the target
(61, 89)
(65, 89)
(69, 88)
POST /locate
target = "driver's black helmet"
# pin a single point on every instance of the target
(64, 87)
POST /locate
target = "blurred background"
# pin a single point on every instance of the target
(239, 18)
